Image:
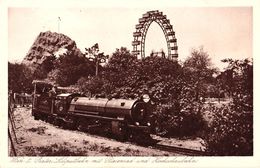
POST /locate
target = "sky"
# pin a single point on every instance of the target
(224, 32)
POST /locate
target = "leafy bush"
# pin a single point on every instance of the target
(19, 78)
(130, 77)
(91, 85)
(231, 131)
(172, 122)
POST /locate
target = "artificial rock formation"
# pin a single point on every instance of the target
(48, 44)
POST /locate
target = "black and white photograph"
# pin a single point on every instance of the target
(129, 84)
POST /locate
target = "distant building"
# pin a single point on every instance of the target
(158, 54)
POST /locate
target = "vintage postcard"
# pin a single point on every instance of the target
(129, 83)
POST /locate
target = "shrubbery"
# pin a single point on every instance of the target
(178, 123)
(19, 78)
(231, 131)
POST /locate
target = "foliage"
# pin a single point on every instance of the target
(240, 82)
(120, 66)
(161, 78)
(43, 69)
(132, 77)
(90, 85)
(70, 67)
(182, 88)
(94, 55)
(231, 132)
(172, 122)
(198, 73)
(19, 78)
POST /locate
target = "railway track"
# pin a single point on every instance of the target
(183, 151)
(167, 148)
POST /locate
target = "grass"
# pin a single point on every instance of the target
(38, 130)
(85, 142)
(93, 147)
(55, 150)
(105, 149)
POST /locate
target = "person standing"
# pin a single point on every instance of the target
(22, 97)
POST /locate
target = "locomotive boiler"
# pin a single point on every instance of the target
(123, 118)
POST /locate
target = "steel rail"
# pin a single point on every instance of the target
(179, 150)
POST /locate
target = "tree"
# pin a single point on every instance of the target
(70, 67)
(133, 77)
(231, 132)
(91, 85)
(41, 72)
(225, 81)
(19, 78)
(239, 80)
(183, 115)
(120, 67)
(198, 73)
(159, 76)
(95, 56)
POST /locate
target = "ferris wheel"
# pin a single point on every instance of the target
(141, 31)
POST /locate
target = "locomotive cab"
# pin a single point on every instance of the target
(62, 102)
(41, 104)
(61, 106)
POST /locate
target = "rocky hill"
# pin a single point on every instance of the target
(48, 44)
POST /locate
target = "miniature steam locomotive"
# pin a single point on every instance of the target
(123, 118)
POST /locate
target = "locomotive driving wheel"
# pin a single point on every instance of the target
(119, 129)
